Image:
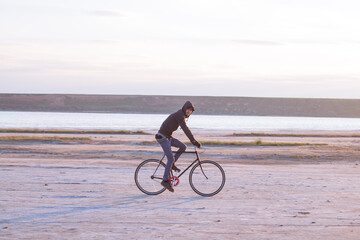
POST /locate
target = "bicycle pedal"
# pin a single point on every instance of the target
(175, 169)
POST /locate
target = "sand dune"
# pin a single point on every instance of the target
(246, 106)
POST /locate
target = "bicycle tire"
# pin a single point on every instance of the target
(211, 185)
(144, 174)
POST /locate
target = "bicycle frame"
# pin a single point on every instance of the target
(196, 160)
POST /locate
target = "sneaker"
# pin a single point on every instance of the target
(175, 168)
(167, 185)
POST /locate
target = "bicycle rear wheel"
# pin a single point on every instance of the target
(207, 178)
(148, 176)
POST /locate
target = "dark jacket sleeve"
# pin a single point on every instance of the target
(182, 123)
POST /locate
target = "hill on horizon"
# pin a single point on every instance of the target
(206, 105)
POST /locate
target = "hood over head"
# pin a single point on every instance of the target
(188, 105)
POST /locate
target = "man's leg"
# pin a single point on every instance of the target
(166, 146)
(182, 147)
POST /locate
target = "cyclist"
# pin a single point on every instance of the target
(166, 140)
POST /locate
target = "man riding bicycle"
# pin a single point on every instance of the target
(166, 140)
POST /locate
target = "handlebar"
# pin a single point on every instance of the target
(196, 150)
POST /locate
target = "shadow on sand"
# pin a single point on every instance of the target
(118, 207)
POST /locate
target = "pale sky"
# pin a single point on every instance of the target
(258, 48)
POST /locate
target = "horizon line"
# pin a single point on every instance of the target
(170, 95)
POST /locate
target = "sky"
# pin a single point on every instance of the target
(254, 48)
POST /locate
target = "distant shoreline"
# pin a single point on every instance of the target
(229, 115)
(204, 105)
(278, 134)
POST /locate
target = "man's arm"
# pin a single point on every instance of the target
(187, 131)
(181, 121)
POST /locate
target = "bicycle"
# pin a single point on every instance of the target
(206, 178)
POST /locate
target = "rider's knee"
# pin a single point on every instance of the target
(183, 148)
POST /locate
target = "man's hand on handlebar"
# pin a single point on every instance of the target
(197, 144)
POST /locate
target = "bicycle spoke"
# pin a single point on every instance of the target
(148, 177)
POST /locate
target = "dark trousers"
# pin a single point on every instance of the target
(166, 144)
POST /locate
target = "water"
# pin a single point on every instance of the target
(57, 120)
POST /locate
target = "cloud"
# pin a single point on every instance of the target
(104, 41)
(257, 42)
(11, 44)
(104, 13)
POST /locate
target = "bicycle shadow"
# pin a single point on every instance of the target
(126, 205)
(145, 204)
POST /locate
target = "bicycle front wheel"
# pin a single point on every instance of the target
(207, 178)
(148, 176)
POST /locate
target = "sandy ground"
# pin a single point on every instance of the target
(87, 191)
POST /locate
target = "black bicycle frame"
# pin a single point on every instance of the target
(196, 160)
